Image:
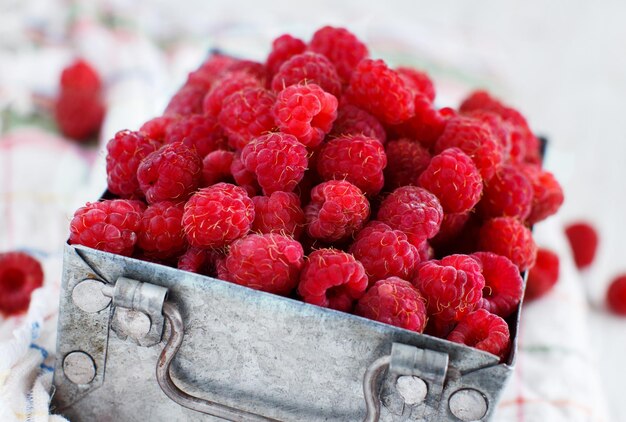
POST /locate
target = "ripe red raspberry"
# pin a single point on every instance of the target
(396, 302)
(381, 91)
(161, 233)
(277, 159)
(504, 286)
(547, 193)
(428, 123)
(283, 48)
(124, 154)
(250, 67)
(198, 132)
(332, 279)
(110, 225)
(583, 240)
(80, 75)
(451, 227)
(499, 129)
(171, 173)
(507, 236)
(341, 47)
(406, 160)
(418, 81)
(247, 114)
(305, 111)
(413, 210)
(452, 286)
(278, 213)
(476, 140)
(358, 159)
(616, 295)
(188, 100)
(243, 177)
(156, 129)
(308, 68)
(352, 120)
(454, 179)
(226, 85)
(384, 252)
(216, 167)
(336, 211)
(508, 194)
(200, 261)
(79, 114)
(217, 215)
(20, 274)
(543, 275)
(268, 262)
(212, 68)
(483, 331)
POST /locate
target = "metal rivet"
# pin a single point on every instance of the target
(79, 368)
(87, 295)
(132, 323)
(412, 389)
(468, 405)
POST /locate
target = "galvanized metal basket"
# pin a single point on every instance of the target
(144, 342)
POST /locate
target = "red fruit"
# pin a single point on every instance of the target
(504, 286)
(278, 213)
(226, 85)
(358, 159)
(161, 233)
(451, 227)
(406, 160)
(616, 295)
(499, 129)
(110, 225)
(508, 194)
(332, 279)
(341, 47)
(543, 275)
(484, 331)
(428, 123)
(79, 114)
(418, 81)
(454, 179)
(80, 75)
(452, 286)
(583, 240)
(547, 193)
(336, 211)
(20, 274)
(216, 167)
(507, 236)
(156, 129)
(268, 262)
(305, 111)
(188, 100)
(244, 177)
(217, 215)
(172, 173)
(352, 120)
(212, 68)
(198, 132)
(283, 48)
(308, 68)
(200, 261)
(396, 302)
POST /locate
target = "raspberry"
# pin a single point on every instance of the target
(161, 233)
(277, 159)
(583, 240)
(308, 68)
(336, 211)
(200, 261)
(616, 295)
(413, 210)
(451, 227)
(79, 114)
(268, 262)
(406, 160)
(341, 47)
(474, 139)
(20, 274)
(384, 252)
(452, 286)
(454, 179)
(228, 84)
(305, 111)
(246, 114)
(499, 129)
(352, 120)
(80, 75)
(283, 48)
(243, 177)
(483, 331)
(110, 225)
(381, 91)
(156, 129)
(507, 236)
(188, 100)
(198, 132)
(428, 123)
(216, 167)
(396, 302)
(547, 193)
(124, 154)
(418, 81)
(278, 213)
(217, 215)
(508, 194)
(358, 159)
(543, 275)
(503, 284)
(332, 279)
(252, 68)
(205, 76)
(171, 173)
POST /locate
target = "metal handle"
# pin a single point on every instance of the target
(171, 390)
(372, 402)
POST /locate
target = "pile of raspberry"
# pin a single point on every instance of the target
(328, 176)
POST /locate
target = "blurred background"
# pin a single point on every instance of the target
(561, 63)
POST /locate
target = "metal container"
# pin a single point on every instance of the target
(144, 342)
